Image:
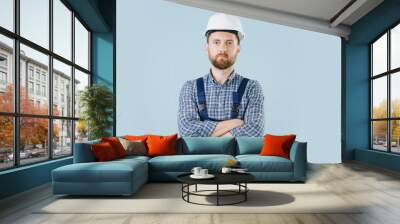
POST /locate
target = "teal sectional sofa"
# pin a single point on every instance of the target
(125, 176)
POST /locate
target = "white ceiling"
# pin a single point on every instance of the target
(325, 16)
(320, 9)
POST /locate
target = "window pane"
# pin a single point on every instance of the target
(395, 94)
(33, 140)
(379, 100)
(81, 131)
(81, 45)
(62, 137)
(35, 21)
(62, 89)
(379, 55)
(6, 74)
(395, 136)
(81, 81)
(395, 47)
(34, 80)
(62, 29)
(379, 135)
(7, 14)
(6, 142)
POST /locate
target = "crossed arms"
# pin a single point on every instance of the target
(224, 128)
(189, 123)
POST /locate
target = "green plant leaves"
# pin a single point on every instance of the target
(97, 104)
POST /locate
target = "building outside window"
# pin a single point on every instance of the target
(37, 75)
(3, 61)
(3, 78)
(38, 89)
(30, 87)
(3, 72)
(43, 90)
(44, 77)
(55, 96)
(30, 72)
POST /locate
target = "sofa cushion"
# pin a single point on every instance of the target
(249, 145)
(257, 163)
(161, 145)
(111, 171)
(136, 137)
(185, 163)
(116, 145)
(136, 147)
(206, 145)
(277, 145)
(103, 152)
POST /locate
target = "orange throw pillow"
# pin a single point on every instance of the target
(103, 151)
(116, 145)
(277, 145)
(136, 137)
(161, 145)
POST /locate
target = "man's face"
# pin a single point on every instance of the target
(222, 49)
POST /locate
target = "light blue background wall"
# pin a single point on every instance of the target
(160, 46)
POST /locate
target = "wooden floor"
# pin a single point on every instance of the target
(377, 188)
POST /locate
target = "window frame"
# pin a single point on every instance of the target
(388, 74)
(15, 72)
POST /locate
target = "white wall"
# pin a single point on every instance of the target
(159, 47)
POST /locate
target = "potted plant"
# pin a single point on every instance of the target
(96, 102)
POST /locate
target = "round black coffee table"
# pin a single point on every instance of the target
(238, 179)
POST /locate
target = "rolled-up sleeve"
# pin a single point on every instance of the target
(189, 123)
(254, 115)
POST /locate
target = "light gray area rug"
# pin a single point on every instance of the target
(166, 198)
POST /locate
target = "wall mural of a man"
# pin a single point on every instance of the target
(222, 102)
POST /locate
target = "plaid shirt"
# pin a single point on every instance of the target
(219, 106)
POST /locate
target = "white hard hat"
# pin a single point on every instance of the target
(221, 21)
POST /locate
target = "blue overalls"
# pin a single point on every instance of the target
(237, 98)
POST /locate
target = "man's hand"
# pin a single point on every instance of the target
(228, 134)
(225, 126)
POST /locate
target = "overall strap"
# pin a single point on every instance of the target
(201, 97)
(237, 98)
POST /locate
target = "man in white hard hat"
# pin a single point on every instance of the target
(221, 103)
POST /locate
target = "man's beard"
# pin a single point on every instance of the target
(222, 62)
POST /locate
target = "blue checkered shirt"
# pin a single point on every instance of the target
(219, 106)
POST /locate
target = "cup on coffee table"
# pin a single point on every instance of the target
(196, 170)
(203, 172)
